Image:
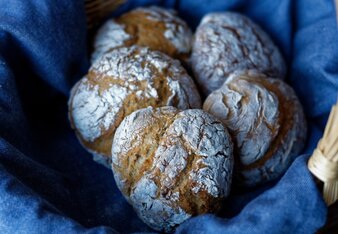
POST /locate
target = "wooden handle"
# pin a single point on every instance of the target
(324, 160)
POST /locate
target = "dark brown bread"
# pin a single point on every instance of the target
(227, 42)
(171, 164)
(266, 121)
(153, 27)
(122, 81)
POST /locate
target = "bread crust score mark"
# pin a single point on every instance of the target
(153, 27)
(229, 42)
(122, 81)
(267, 123)
(171, 164)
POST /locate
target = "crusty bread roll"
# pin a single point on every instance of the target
(121, 82)
(228, 42)
(153, 27)
(266, 121)
(171, 164)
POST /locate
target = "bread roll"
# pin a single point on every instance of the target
(171, 164)
(266, 121)
(153, 27)
(227, 42)
(122, 81)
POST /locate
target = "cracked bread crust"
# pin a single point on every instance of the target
(122, 81)
(153, 27)
(266, 121)
(228, 42)
(171, 164)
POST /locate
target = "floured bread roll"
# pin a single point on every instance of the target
(266, 121)
(152, 27)
(171, 164)
(122, 81)
(228, 42)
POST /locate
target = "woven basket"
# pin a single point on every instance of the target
(324, 161)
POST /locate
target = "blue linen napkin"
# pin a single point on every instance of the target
(49, 183)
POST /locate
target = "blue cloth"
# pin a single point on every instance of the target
(49, 183)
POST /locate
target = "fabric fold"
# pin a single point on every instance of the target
(49, 183)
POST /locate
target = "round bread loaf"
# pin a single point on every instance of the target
(228, 42)
(152, 27)
(266, 122)
(171, 164)
(122, 81)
